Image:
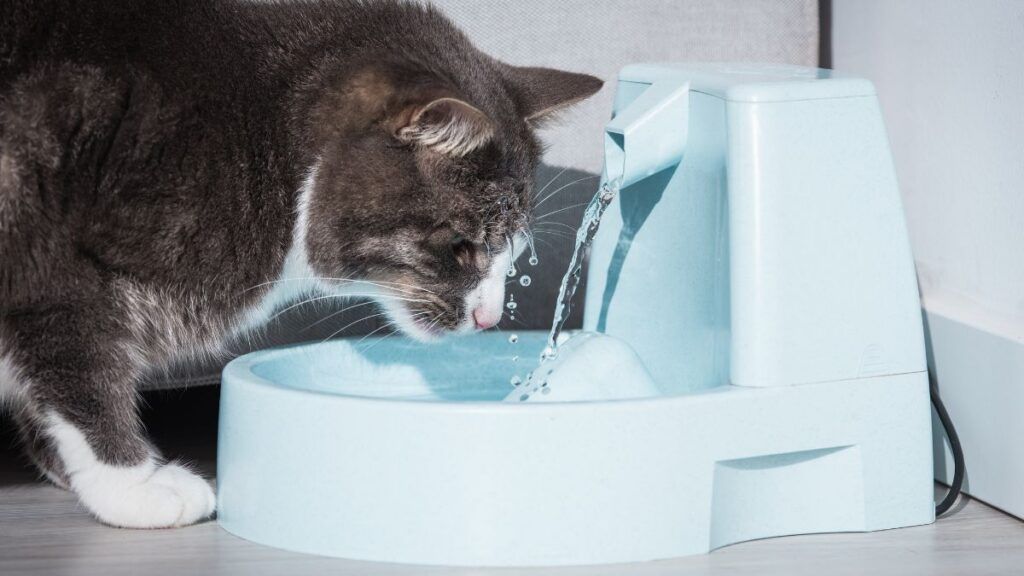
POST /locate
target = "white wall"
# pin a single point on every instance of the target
(950, 76)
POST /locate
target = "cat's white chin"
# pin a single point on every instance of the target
(408, 325)
(421, 334)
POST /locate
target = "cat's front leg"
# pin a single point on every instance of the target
(76, 411)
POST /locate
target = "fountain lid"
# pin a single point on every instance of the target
(749, 82)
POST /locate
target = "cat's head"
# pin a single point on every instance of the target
(423, 186)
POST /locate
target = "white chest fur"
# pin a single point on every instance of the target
(296, 278)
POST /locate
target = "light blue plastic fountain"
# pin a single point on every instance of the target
(755, 259)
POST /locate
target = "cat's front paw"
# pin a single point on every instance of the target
(169, 496)
(195, 495)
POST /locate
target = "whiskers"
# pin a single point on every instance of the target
(357, 321)
(546, 215)
(426, 319)
(320, 298)
(336, 312)
(399, 287)
(547, 229)
(417, 317)
(550, 182)
(563, 187)
(330, 289)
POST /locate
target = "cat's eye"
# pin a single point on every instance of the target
(463, 249)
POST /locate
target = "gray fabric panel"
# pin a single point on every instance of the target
(587, 36)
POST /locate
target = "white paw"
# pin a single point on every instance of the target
(147, 495)
(196, 496)
(137, 497)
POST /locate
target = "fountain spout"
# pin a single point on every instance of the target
(649, 135)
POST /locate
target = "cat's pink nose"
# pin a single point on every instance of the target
(485, 319)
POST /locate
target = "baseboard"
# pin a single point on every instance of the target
(978, 362)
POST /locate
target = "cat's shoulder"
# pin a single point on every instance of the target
(51, 110)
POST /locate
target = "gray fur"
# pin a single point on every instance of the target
(151, 155)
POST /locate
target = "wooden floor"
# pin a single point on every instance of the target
(44, 531)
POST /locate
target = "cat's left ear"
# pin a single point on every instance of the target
(448, 125)
(542, 92)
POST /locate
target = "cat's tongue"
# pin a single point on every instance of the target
(589, 366)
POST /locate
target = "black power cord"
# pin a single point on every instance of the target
(954, 446)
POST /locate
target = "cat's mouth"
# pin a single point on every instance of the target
(431, 325)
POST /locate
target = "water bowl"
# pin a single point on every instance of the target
(393, 451)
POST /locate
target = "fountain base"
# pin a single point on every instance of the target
(316, 456)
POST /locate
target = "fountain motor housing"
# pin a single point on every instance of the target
(759, 242)
(760, 234)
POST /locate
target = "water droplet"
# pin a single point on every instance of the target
(533, 250)
(524, 397)
(513, 338)
(515, 381)
(515, 358)
(511, 254)
(545, 391)
(511, 305)
(525, 280)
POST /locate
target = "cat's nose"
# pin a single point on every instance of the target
(485, 319)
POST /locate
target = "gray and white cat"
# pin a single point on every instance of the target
(172, 171)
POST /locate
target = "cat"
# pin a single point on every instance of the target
(171, 172)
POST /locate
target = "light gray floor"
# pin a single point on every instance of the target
(44, 531)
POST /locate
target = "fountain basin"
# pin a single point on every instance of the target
(389, 450)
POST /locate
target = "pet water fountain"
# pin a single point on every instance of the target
(755, 274)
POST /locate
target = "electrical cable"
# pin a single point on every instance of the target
(954, 445)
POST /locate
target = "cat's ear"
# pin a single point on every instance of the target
(542, 92)
(447, 125)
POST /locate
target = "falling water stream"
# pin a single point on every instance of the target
(584, 236)
(563, 306)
